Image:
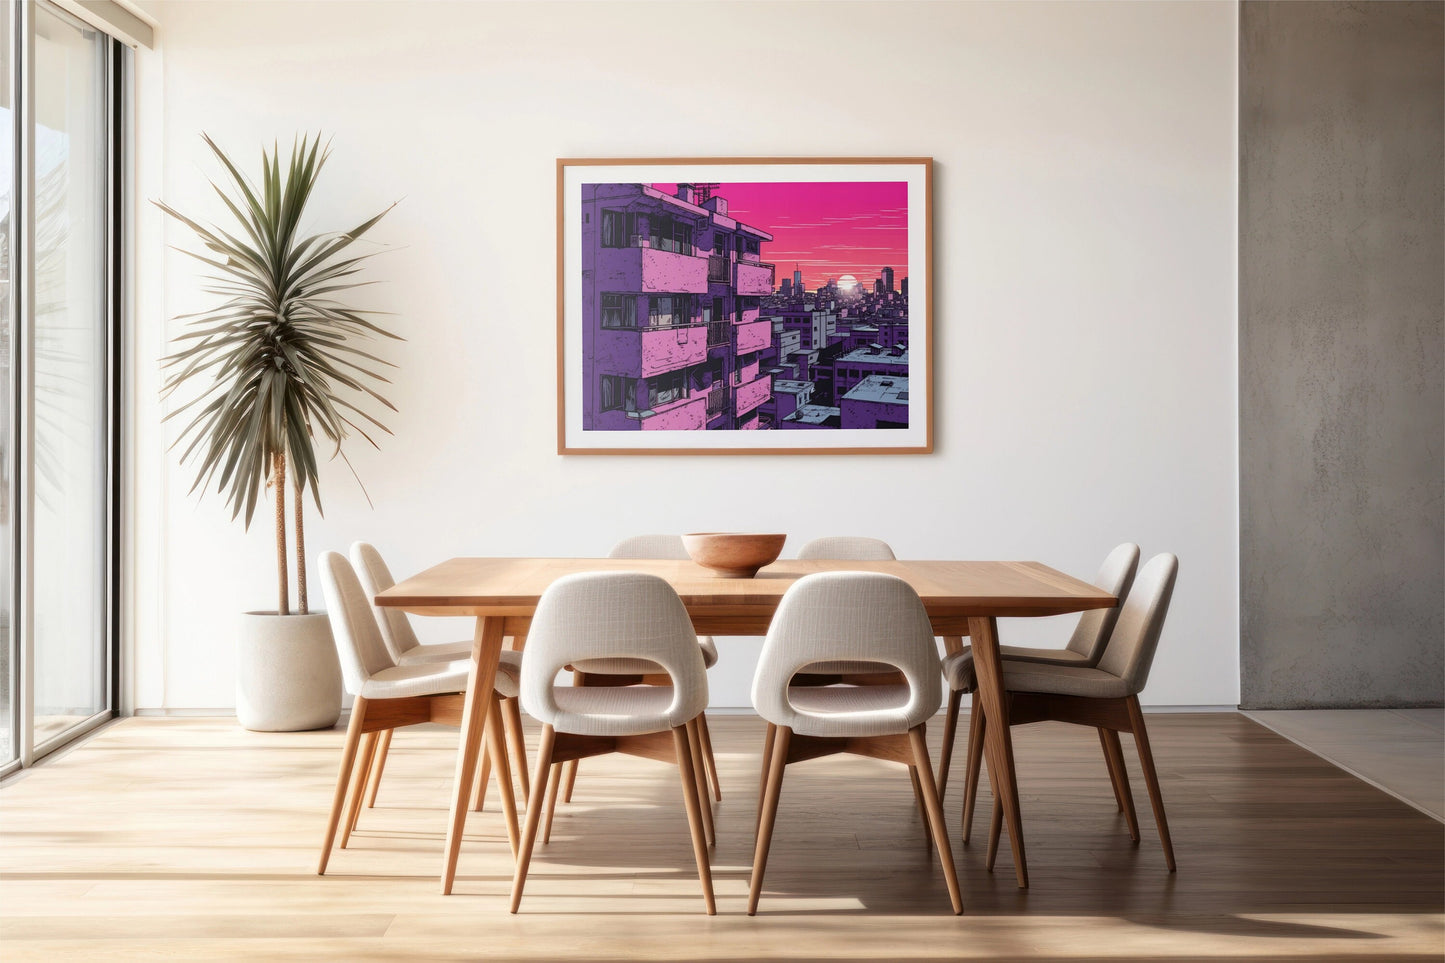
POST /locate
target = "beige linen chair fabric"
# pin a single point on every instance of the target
(646, 546)
(1086, 644)
(401, 641)
(1085, 648)
(849, 617)
(596, 672)
(614, 615)
(609, 615)
(1106, 696)
(371, 675)
(848, 548)
(396, 630)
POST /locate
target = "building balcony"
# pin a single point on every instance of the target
(645, 352)
(717, 400)
(647, 270)
(685, 414)
(753, 279)
(753, 393)
(754, 336)
(718, 332)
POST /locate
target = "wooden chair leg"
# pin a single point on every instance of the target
(554, 778)
(924, 770)
(358, 787)
(769, 738)
(922, 806)
(695, 802)
(479, 785)
(694, 741)
(977, 724)
(534, 814)
(343, 777)
(708, 758)
(995, 829)
(1119, 776)
(516, 742)
(1151, 777)
(570, 781)
(950, 729)
(497, 749)
(377, 767)
(768, 811)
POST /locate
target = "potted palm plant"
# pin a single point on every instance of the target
(272, 366)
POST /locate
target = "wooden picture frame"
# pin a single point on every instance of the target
(679, 333)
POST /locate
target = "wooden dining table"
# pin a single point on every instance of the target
(962, 598)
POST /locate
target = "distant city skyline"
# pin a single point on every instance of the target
(827, 228)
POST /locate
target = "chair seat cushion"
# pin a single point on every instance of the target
(958, 668)
(842, 667)
(629, 710)
(833, 699)
(440, 652)
(435, 678)
(1051, 678)
(642, 666)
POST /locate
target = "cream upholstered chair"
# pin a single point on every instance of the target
(1105, 696)
(390, 695)
(406, 649)
(1085, 647)
(615, 615)
(848, 548)
(849, 616)
(612, 672)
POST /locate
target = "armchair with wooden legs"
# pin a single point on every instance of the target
(388, 696)
(849, 617)
(1084, 650)
(615, 615)
(401, 641)
(1104, 697)
(623, 672)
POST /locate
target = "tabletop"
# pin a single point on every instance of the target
(511, 587)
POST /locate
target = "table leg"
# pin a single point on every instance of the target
(486, 651)
(998, 742)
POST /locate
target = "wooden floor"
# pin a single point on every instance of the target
(192, 839)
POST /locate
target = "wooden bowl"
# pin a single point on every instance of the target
(733, 554)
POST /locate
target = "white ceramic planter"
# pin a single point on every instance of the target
(287, 674)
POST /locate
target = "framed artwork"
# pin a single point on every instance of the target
(744, 306)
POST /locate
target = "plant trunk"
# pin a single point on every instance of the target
(300, 551)
(278, 479)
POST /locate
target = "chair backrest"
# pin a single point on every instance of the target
(849, 616)
(611, 615)
(396, 630)
(1115, 576)
(650, 546)
(1129, 653)
(853, 548)
(353, 627)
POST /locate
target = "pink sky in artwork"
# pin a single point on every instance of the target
(828, 228)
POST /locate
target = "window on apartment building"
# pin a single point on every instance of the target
(750, 246)
(669, 310)
(749, 303)
(619, 311)
(612, 392)
(617, 228)
(666, 388)
(719, 243)
(670, 234)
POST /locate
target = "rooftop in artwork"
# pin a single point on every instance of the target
(887, 389)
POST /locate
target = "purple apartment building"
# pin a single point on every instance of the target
(684, 327)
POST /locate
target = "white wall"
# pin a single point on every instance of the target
(1084, 302)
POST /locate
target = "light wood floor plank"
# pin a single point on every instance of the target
(192, 838)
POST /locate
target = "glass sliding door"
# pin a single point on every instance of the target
(59, 291)
(69, 398)
(9, 697)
